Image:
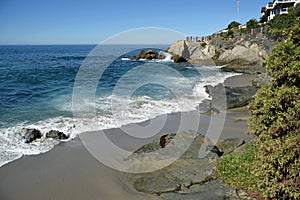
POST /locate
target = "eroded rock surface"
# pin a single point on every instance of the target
(192, 175)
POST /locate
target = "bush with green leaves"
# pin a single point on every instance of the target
(274, 167)
(281, 24)
(235, 169)
(263, 18)
(252, 24)
(233, 25)
(275, 120)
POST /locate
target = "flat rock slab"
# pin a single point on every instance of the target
(191, 176)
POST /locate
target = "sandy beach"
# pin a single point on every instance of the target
(69, 171)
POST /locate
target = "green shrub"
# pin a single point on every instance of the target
(275, 119)
(233, 25)
(263, 18)
(281, 24)
(252, 24)
(235, 169)
(271, 165)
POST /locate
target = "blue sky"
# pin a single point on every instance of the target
(92, 21)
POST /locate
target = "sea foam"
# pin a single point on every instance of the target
(119, 111)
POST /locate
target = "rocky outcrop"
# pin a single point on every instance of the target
(235, 96)
(154, 55)
(192, 175)
(178, 59)
(193, 52)
(56, 135)
(243, 55)
(244, 58)
(146, 54)
(31, 134)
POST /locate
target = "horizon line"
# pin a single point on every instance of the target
(75, 44)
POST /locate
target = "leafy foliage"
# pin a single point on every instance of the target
(252, 24)
(297, 11)
(273, 164)
(281, 24)
(276, 121)
(263, 18)
(233, 172)
(233, 24)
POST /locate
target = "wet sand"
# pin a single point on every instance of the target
(242, 80)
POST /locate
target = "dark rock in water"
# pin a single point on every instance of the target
(56, 135)
(148, 55)
(178, 59)
(31, 135)
(209, 89)
(161, 56)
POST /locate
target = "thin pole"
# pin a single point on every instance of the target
(239, 5)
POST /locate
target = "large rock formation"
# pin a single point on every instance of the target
(194, 52)
(243, 55)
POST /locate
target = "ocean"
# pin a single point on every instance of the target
(77, 88)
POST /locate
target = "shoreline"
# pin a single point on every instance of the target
(68, 171)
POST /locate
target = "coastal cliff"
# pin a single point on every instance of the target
(246, 55)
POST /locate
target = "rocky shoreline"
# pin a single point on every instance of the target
(242, 55)
(193, 175)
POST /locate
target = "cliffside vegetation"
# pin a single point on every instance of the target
(270, 166)
(281, 24)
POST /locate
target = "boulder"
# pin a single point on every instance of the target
(56, 135)
(236, 97)
(146, 54)
(31, 135)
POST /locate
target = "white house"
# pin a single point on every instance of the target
(278, 7)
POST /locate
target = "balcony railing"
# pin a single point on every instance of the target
(270, 6)
(284, 1)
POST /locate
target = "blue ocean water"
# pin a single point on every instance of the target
(37, 90)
